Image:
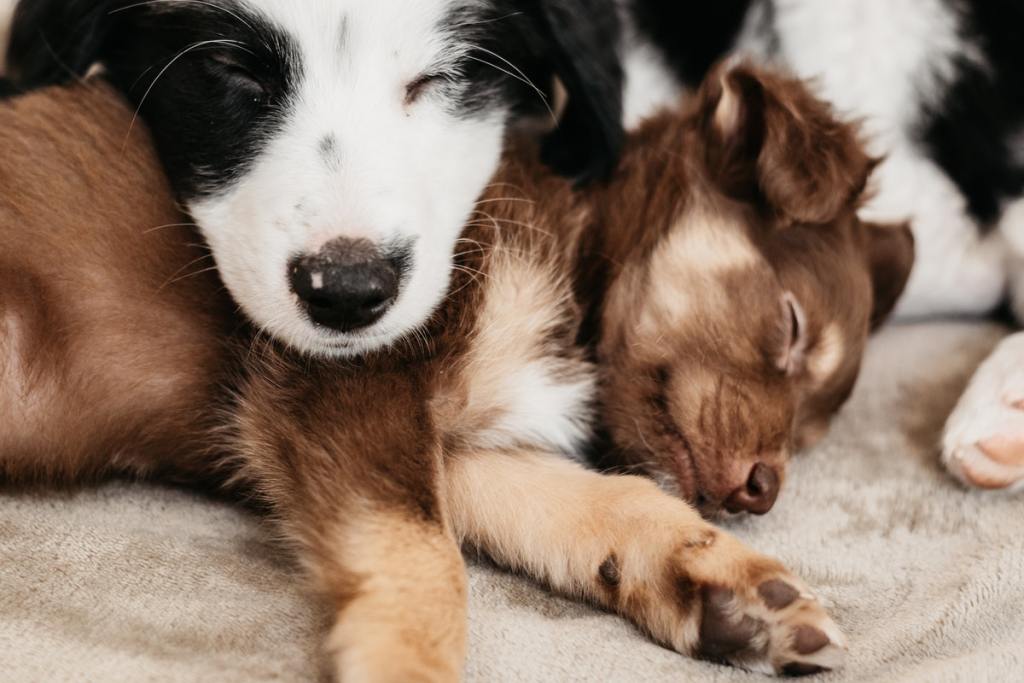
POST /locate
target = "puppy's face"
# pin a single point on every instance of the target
(734, 337)
(352, 154)
(329, 150)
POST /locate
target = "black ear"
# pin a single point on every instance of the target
(53, 41)
(582, 42)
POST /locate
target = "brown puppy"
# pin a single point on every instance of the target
(741, 299)
(375, 468)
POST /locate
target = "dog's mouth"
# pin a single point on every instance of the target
(683, 468)
(355, 342)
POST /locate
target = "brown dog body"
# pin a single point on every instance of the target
(114, 357)
(106, 363)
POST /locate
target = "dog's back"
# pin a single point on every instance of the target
(108, 334)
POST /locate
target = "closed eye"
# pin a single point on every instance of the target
(426, 82)
(230, 69)
(791, 361)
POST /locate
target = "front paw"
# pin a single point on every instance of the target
(772, 625)
(714, 598)
(984, 441)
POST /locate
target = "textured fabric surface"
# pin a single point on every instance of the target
(134, 583)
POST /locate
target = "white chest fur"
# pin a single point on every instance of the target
(521, 384)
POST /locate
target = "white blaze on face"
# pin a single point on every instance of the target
(688, 265)
(393, 173)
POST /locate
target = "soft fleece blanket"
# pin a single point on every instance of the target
(139, 583)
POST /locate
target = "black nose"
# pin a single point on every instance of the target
(347, 285)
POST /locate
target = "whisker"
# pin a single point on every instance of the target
(518, 224)
(505, 199)
(204, 3)
(495, 222)
(187, 50)
(62, 64)
(518, 75)
(640, 433)
(188, 275)
(169, 225)
(469, 270)
(468, 252)
(484, 22)
(183, 268)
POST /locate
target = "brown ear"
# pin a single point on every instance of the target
(890, 254)
(771, 141)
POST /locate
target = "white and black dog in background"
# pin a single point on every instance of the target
(938, 85)
(331, 150)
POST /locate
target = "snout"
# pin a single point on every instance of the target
(348, 285)
(756, 493)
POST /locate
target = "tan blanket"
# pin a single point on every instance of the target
(132, 583)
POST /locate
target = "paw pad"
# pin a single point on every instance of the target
(1004, 450)
(723, 632)
(777, 594)
(807, 640)
(777, 627)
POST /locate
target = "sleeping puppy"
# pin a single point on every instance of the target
(737, 317)
(285, 127)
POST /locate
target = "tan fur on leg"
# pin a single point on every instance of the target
(406, 618)
(625, 545)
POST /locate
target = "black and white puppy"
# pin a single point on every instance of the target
(331, 151)
(938, 85)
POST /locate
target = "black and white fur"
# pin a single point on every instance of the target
(291, 127)
(938, 85)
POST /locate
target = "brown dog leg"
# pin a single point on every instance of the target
(353, 484)
(622, 543)
(399, 589)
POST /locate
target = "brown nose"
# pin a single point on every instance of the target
(758, 494)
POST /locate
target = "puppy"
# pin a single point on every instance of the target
(376, 469)
(287, 126)
(738, 311)
(942, 98)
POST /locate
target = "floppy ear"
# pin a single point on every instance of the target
(581, 39)
(890, 253)
(771, 141)
(53, 41)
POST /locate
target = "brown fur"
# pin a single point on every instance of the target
(701, 251)
(114, 363)
(375, 468)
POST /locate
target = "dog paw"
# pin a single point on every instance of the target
(983, 444)
(703, 592)
(774, 626)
